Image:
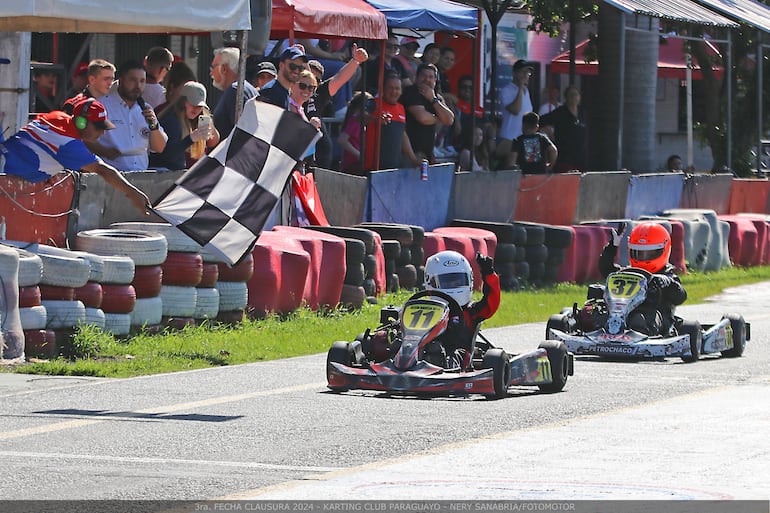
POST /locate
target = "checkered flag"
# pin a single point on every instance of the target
(224, 200)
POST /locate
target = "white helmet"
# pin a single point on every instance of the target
(450, 272)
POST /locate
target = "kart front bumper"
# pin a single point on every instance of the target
(630, 345)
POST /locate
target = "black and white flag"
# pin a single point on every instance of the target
(225, 199)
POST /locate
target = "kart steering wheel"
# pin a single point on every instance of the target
(455, 309)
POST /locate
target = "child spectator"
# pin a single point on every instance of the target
(532, 151)
(361, 106)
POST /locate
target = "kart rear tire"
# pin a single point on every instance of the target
(559, 359)
(692, 328)
(497, 360)
(738, 325)
(339, 352)
(556, 321)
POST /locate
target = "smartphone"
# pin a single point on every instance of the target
(204, 120)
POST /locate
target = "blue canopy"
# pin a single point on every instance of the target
(428, 15)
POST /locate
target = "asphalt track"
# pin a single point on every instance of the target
(270, 430)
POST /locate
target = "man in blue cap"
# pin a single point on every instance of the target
(291, 63)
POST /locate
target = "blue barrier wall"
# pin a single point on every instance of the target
(400, 196)
(343, 196)
(602, 195)
(652, 194)
(485, 196)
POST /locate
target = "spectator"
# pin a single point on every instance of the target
(157, 63)
(55, 142)
(566, 128)
(431, 54)
(187, 138)
(551, 96)
(464, 119)
(100, 77)
(44, 99)
(264, 73)
(301, 91)
(392, 130)
(445, 63)
(224, 75)
(473, 156)
(533, 152)
(291, 63)
(391, 66)
(359, 112)
(79, 80)
(333, 56)
(424, 110)
(137, 129)
(179, 74)
(409, 46)
(516, 102)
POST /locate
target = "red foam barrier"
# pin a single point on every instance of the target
(380, 277)
(489, 238)
(677, 246)
(581, 259)
(548, 199)
(748, 195)
(329, 273)
(294, 267)
(743, 241)
(265, 281)
(184, 269)
(433, 243)
(763, 230)
(480, 240)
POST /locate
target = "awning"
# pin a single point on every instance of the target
(116, 16)
(428, 14)
(327, 18)
(671, 60)
(675, 10)
(748, 11)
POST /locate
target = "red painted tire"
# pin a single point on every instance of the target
(182, 269)
(57, 293)
(90, 294)
(29, 296)
(230, 317)
(178, 323)
(40, 343)
(147, 281)
(210, 276)
(242, 271)
(118, 299)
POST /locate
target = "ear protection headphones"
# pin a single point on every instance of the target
(81, 121)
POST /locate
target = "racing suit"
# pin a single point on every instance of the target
(656, 315)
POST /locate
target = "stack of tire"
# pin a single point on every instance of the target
(38, 340)
(124, 251)
(360, 263)
(557, 240)
(510, 257)
(403, 251)
(62, 274)
(233, 290)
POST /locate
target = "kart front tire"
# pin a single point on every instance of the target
(692, 328)
(556, 321)
(497, 360)
(342, 353)
(738, 324)
(559, 359)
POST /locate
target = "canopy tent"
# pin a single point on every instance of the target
(114, 16)
(330, 18)
(428, 14)
(672, 60)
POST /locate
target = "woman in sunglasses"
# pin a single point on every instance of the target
(299, 93)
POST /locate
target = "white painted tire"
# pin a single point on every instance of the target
(207, 303)
(64, 271)
(95, 261)
(178, 301)
(30, 268)
(33, 317)
(118, 270)
(177, 240)
(142, 247)
(147, 311)
(117, 323)
(233, 295)
(64, 314)
(95, 317)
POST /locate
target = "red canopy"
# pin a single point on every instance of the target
(671, 60)
(328, 19)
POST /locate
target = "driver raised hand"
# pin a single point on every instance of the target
(649, 248)
(451, 273)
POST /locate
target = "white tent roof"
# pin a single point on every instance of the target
(114, 16)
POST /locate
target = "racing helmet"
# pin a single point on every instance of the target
(450, 272)
(649, 246)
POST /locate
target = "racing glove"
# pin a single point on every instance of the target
(617, 235)
(660, 281)
(486, 264)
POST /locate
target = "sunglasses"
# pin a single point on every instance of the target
(296, 67)
(303, 86)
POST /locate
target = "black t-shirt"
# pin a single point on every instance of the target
(569, 134)
(532, 152)
(423, 137)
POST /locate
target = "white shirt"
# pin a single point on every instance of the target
(131, 134)
(547, 108)
(510, 128)
(154, 94)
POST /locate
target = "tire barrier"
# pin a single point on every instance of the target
(581, 258)
(95, 317)
(242, 271)
(186, 269)
(233, 296)
(118, 270)
(391, 250)
(407, 269)
(327, 264)
(176, 240)
(40, 343)
(178, 301)
(352, 297)
(30, 268)
(142, 247)
(148, 280)
(33, 317)
(206, 304)
(118, 324)
(281, 267)
(147, 311)
(210, 275)
(118, 299)
(64, 271)
(54, 292)
(64, 314)
(29, 296)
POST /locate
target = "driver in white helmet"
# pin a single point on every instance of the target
(451, 273)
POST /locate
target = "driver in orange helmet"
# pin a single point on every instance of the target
(649, 248)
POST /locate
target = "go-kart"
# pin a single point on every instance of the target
(411, 359)
(601, 326)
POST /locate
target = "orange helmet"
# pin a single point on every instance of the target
(649, 246)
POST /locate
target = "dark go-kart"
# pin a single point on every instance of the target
(412, 360)
(601, 328)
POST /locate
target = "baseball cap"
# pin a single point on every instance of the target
(292, 53)
(409, 41)
(93, 111)
(82, 69)
(267, 67)
(522, 64)
(194, 93)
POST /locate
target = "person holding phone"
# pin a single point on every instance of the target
(188, 123)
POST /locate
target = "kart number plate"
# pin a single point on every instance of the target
(422, 317)
(623, 285)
